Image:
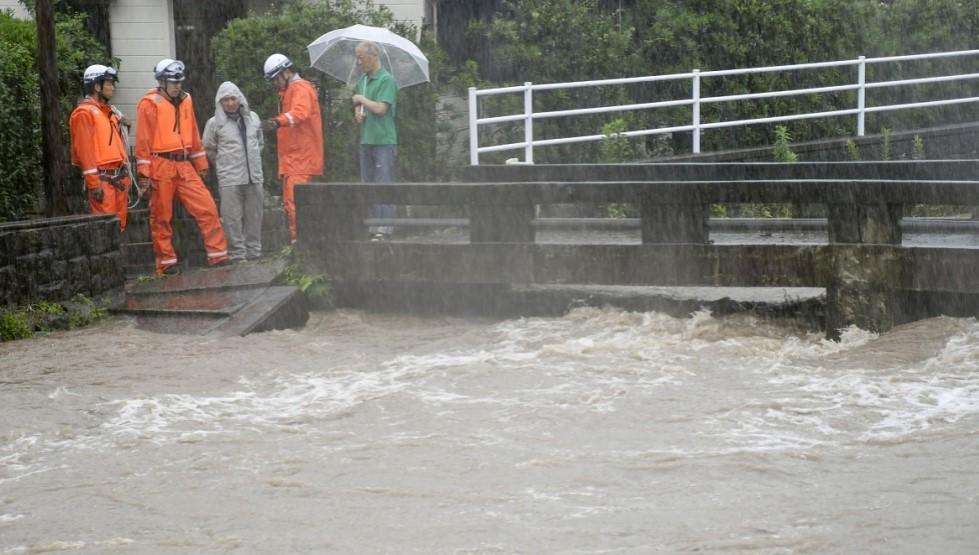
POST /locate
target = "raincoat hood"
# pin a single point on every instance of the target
(228, 89)
(234, 144)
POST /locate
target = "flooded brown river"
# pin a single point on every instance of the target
(601, 432)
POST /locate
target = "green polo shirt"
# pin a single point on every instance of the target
(379, 130)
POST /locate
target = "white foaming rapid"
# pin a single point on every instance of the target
(604, 360)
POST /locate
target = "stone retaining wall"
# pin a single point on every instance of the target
(56, 258)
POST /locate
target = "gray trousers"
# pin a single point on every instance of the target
(241, 213)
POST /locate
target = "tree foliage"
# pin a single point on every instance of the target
(547, 41)
(543, 41)
(20, 117)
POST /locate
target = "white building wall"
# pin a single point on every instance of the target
(16, 6)
(142, 34)
(412, 11)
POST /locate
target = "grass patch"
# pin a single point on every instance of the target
(45, 316)
(316, 286)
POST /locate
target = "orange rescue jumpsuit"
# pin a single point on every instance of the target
(169, 151)
(98, 150)
(300, 142)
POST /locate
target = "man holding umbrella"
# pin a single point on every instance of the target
(299, 131)
(387, 62)
(375, 106)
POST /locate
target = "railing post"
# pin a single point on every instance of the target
(528, 130)
(696, 111)
(861, 94)
(473, 131)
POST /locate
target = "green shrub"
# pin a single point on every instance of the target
(23, 322)
(20, 116)
(13, 325)
(852, 150)
(615, 147)
(885, 144)
(782, 152)
(547, 41)
(918, 148)
(315, 286)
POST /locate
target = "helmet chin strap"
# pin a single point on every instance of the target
(163, 88)
(98, 92)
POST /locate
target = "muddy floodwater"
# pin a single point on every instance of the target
(600, 432)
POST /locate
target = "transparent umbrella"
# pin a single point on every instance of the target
(333, 54)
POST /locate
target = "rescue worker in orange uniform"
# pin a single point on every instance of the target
(171, 163)
(299, 131)
(97, 145)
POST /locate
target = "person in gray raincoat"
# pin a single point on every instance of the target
(233, 140)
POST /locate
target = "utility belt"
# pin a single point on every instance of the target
(115, 177)
(174, 156)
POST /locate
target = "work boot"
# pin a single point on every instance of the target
(171, 270)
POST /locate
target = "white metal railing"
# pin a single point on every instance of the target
(696, 101)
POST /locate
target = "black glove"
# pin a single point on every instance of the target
(270, 124)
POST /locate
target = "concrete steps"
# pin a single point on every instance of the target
(226, 301)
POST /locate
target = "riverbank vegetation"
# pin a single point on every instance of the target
(546, 41)
(20, 111)
(26, 321)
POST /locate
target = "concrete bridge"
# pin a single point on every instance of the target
(872, 277)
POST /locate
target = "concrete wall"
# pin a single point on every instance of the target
(55, 259)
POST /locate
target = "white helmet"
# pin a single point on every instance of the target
(98, 72)
(275, 64)
(169, 70)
